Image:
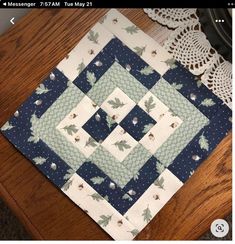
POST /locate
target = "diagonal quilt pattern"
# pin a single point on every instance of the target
(120, 127)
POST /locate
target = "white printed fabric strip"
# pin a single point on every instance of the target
(138, 41)
(154, 198)
(99, 209)
(85, 51)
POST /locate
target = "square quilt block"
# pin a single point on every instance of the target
(136, 122)
(98, 126)
(118, 130)
(118, 105)
(119, 143)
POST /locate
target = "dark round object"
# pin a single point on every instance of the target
(218, 33)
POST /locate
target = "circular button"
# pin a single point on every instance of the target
(219, 228)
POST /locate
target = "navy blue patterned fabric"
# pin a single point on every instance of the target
(99, 131)
(190, 87)
(132, 126)
(20, 133)
(115, 50)
(145, 177)
(214, 132)
(81, 81)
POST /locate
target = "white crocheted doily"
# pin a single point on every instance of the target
(218, 79)
(189, 45)
(171, 17)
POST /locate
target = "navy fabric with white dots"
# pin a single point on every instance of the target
(137, 185)
(99, 131)
(190, 87)
(20, 133)
(115, 50)
(135, 122)
(81, 81)
(183, 165)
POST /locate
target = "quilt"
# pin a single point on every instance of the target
(119, 126)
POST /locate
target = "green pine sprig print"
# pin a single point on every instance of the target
(110, 121)
(91, 79)
(149, 104)
(81, 67)
(159, 182)
(97, 197)
(147, 70)
(41, 89)
(106, 198)
(147, 215)
(33, 138)
(69, 174)
(203, 142)
(33, 120)
(132, 29)
(91, 142)
(171, 63)
(104, 220)
(199, 82)
(207, 102)
(139, 50)
(160, 167)
(147, 128)
(70, 129)
(67, 185)
(134, 232)
(39, 160)
(136, 176)
(122, 145)
(93, 36)
(7, 126)
(127, 197)
(116, 103)
(97, 180)
(177, 86)
(102, 19)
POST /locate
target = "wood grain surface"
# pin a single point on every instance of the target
(28, 52)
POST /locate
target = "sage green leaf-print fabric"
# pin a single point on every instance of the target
(45, 128)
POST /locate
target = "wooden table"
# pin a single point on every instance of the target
(28, 52)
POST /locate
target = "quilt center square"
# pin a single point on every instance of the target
(117, 124)
(116, 119)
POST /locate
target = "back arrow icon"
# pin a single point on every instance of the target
(12, 20)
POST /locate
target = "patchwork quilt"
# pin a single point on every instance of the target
(119, 126)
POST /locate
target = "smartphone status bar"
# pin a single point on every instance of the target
(117, 4)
